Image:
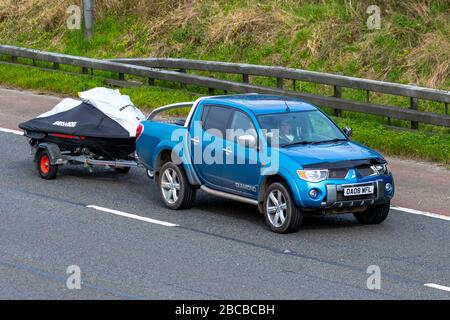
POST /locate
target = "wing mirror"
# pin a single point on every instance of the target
(247, 140)
(348, 132)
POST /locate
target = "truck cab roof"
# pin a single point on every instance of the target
(261, 103)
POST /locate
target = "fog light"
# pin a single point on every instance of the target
(313, 193)
(388, 187)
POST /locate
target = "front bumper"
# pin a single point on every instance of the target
(335, 199)
(331, 193)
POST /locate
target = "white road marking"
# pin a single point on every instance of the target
(20, 133)
(437, 286)
(422, 213)
(133, 216)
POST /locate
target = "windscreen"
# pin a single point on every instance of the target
(300, 128)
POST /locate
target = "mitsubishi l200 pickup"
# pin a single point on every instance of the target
(283, 155)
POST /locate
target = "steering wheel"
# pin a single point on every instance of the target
(284, 140)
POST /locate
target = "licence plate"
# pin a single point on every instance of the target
(357, 191)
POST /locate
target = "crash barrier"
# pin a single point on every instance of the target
(159, 68)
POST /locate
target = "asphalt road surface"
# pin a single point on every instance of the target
(129, 246)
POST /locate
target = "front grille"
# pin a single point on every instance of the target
(338, 173)
(341, 173)
(365, 171)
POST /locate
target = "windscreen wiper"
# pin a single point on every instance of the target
(296, 143)
(312, 142)
(327, 141)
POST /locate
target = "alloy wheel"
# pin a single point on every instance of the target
(170, 185)
(276, 205)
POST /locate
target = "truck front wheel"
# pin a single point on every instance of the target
(281, 213)
(176, 191)
(374, 215)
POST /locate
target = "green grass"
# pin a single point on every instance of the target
(147, 98)
(368, 132)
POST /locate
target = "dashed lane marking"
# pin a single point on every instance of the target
(133, 216)
(437, 286)
(422, 213)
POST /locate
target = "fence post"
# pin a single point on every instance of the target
(293, 85)
(121, 76)
(280, 83)
(182, 85)
(446, 107)
(14, 59)
(414, 105)
(55, 65)
(151, 81)
(245, 78)
(211, 91)
(84, 70)
(337, 93)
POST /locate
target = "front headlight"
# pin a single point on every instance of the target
(382, 169)
(313, 175)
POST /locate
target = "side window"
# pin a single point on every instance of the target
(240, 124)
(215, 117)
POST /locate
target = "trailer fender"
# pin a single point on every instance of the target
(54, 153)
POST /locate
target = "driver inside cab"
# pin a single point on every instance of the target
(286, 134)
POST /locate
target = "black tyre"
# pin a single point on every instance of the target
(373, 215)
(176, 191)
(44, 167)
(122, 170)
(281, 213)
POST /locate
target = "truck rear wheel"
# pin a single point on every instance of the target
(44, 167)
(281, 213)
(176, 191)
(374, 215)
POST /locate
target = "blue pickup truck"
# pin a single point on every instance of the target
(281, 154)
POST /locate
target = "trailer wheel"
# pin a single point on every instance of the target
(176, 191)
(44, 167)
(122, 170)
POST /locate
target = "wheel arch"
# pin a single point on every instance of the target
(265, 183)
(165, 155)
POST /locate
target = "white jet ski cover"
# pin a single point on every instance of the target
(103, 113)
(116, 106)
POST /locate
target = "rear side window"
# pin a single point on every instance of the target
(215, 117)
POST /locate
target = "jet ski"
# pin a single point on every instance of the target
(102, 124)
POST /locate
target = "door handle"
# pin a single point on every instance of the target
(227, 150)
(195, 140)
